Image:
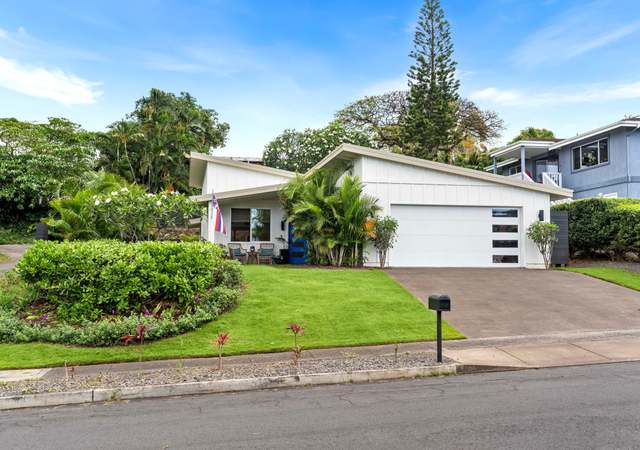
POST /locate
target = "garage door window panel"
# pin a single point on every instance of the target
(504, 243)
(505, 259)
(504, 212)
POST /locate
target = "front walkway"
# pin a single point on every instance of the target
(14, 252)
(517, 302)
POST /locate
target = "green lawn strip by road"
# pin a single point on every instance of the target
(621, 277)
(337, 308)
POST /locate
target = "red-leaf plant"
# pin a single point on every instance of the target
(139, 336)
(297, 350)
(220, 342)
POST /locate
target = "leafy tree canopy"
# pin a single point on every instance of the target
(531, 133)
(150, 146)
(40, 162)
(298, 151)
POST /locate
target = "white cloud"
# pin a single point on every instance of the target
(54, 84)
(573, 33)
(596, 92)
(21, 44)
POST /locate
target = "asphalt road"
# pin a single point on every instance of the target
(579, 407)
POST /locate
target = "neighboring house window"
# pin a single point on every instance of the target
(591, 154)
(250, 225)
(514, 170)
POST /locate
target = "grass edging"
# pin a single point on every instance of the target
(221, 386)
(621, 277)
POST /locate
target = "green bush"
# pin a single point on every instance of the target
(86, 280)
(603, 226)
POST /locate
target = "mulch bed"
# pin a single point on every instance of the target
(348, 363)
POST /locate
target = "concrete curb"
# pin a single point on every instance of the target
(212, 387)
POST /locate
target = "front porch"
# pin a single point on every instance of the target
(529, 161)
(253, 218)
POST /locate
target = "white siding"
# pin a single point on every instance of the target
(401, 184)
(221, 178)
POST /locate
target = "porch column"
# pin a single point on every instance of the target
(522, 165)
(495, 165)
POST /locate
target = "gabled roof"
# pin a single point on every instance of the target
(349, 152)
(629, 122)
(199, 162)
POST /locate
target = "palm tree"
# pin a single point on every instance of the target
(330, 212)
(124, 132)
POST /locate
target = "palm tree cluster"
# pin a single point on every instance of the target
(150, 146)
(329, 210)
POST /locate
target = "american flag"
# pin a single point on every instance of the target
(216, 216)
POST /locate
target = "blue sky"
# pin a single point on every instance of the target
(266, 66)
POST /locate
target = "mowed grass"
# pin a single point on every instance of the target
(336, 307)
(621, 277)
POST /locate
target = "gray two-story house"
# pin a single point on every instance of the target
(601, 162)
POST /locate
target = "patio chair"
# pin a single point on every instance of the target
(237, 252)
(265, 253)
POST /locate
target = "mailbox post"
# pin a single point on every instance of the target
(439, 303)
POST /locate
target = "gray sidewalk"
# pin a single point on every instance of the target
(552, 350)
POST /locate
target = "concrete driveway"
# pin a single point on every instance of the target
(517, 302)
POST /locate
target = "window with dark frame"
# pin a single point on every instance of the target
(505, 259)
(240, 225)
(504, 212)
(591, 154)
(250, 225)
(505, 243)
(499, 228)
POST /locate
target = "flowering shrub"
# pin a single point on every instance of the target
(127, 213)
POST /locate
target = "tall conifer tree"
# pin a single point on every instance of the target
(430, 125)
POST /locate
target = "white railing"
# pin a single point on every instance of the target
(552, 178)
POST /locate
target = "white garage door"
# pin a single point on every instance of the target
(456, 236)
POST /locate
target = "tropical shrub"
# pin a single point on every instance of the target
(330, 211)
(603, 226)
(543, 234)
(383, 236)
(85, 281)
(117, 210)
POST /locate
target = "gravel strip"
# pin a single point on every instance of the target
(350, 363)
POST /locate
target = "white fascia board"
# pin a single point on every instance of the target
(593, 133)
(506, 162)
(516, 146)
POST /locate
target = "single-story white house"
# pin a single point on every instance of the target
(448, 216)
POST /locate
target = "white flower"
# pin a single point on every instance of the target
(124, 189)
(114, 193)
(94, 197)
(158, 203)
(97, 202)
(108, 200)
(149, 195)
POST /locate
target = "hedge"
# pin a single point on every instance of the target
(603, 226)
(86, 280)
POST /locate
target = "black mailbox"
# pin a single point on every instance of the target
(439, 302)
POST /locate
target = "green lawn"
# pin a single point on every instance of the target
(336, 307)
(618, 276)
